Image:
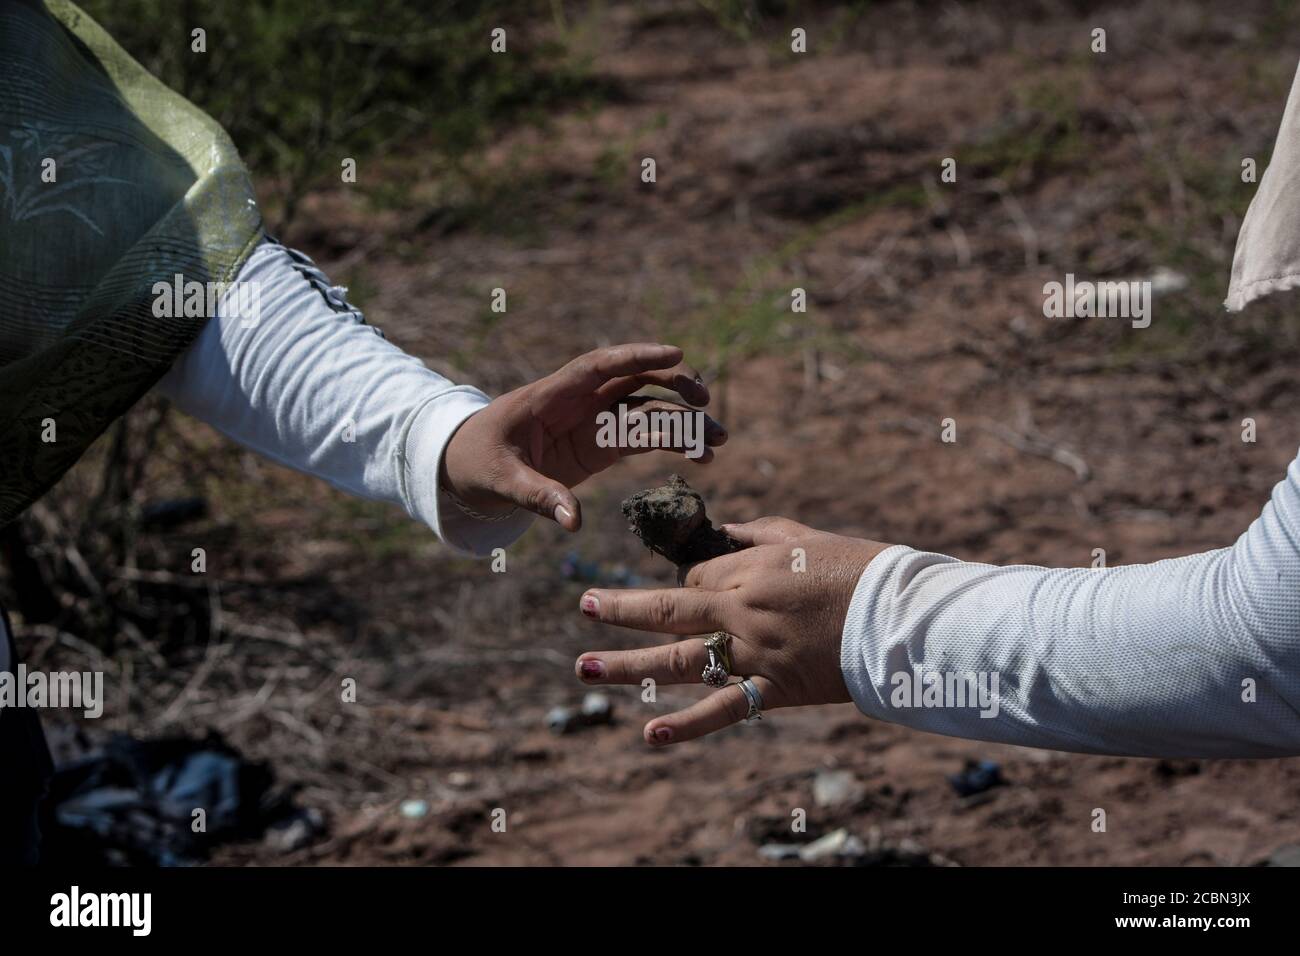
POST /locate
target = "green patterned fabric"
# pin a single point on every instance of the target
(146, 187)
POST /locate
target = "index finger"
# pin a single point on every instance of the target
(667, 611)
(681, 378)
(587, 373)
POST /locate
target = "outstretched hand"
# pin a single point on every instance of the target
(783, 598)
(529, 447)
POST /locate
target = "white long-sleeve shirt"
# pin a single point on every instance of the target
(306, 383)
(309, 385)
(1196, 656)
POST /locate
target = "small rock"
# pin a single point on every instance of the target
(976, 778)
(561, 719)
(833, 788)
(780, 851)
(296, 832)
(415, 809)
(596, 709)
(839, 844)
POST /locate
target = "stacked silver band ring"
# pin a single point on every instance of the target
(750, 690)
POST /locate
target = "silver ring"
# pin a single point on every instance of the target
(718, 671)
(755, 699)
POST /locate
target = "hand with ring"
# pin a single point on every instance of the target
(781, 600)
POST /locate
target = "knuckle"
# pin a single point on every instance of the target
(581, 366)
(711, 607)
(679, 664)
(536, 498)
(663, 609)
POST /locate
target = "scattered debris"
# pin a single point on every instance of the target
(598, 705)
(414, 809)
(842, 846)
(573, 568)
(977, 777)
(832, 788)
(838, 844)
(780, 851)
(165, 802)
(596, 709)
(296, 832)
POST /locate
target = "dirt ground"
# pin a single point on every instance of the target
(778, 171)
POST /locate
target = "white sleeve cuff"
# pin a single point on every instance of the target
(423, 442)
(869, 614)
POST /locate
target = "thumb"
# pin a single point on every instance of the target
(544, 496)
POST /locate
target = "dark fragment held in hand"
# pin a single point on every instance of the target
(671, 520)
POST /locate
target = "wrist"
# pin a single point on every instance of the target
(460, 477)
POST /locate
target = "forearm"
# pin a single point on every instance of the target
(1155, 660)
(310, 386)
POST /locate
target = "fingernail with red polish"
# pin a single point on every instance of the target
(590, 605)
(592, 669)
(661, 735)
